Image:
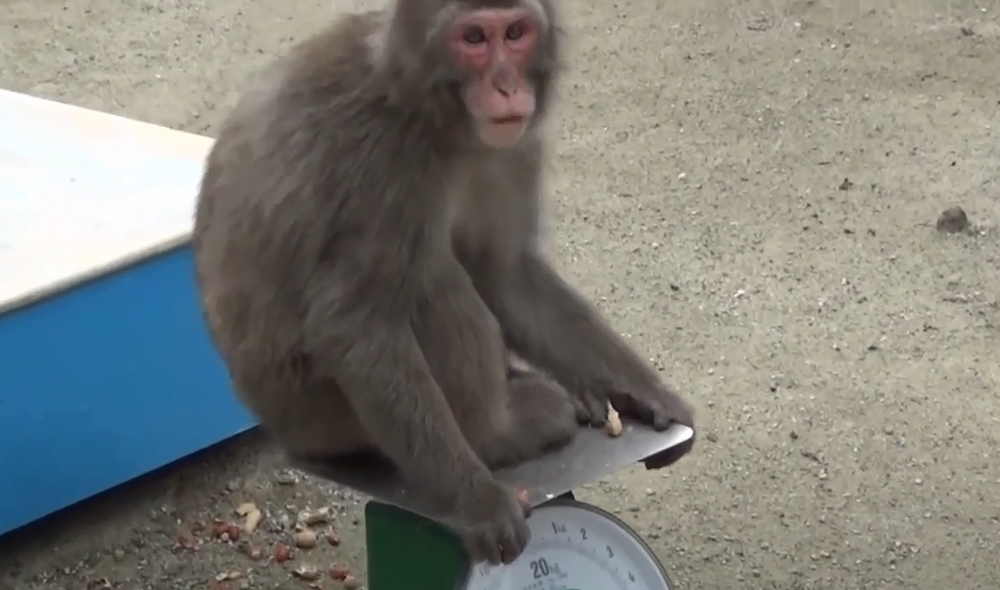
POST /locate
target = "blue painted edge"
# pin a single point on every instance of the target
(107, 381)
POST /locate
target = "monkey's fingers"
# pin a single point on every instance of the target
(502, 545)
(660, 416)
(657, 412)
(514, 546)
(590, 409)
(671, 411)
(680, 411)
(483, 547)
(582, 415)
(637, 408)
(668, 408)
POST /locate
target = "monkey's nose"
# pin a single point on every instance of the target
(505, 83)
(505, 89)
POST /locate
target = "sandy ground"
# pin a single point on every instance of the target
(750, 191)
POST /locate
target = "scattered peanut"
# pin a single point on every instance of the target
(333, 538)
(304, 539)
(251, 516)
(306, 572)
(340, 573)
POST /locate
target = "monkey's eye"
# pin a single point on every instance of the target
(515, 31)
(474, 36)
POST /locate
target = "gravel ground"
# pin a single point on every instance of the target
(751, 191)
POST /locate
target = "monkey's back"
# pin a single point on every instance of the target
(259, 226)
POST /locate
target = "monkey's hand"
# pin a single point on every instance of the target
(548, 324)
(491, 522)
(658, 407)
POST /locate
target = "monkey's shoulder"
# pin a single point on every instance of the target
(337, 59)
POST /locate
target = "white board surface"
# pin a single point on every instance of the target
(82, 192)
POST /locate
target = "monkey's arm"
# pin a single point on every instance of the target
(373, 354)
(553, 327)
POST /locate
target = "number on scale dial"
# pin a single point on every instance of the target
(575, 546)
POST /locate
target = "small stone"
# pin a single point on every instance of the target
(333, 539)
(224, 576)
(233, 532)
(351, 583)
(340, 573)
(219, 528)
(953, 220)
(283, 553)
(286, 477)
(187, 542)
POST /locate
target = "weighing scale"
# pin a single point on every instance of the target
(574, 545)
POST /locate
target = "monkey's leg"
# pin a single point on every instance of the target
(554, 328)
(464, 348)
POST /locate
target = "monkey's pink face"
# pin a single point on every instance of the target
(493, 48)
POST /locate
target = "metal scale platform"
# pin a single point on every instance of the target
(574, 545)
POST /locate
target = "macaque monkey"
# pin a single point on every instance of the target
(366, 241)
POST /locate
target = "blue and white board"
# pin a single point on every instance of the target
(106, 370)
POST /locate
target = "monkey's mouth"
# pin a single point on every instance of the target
(509, 120)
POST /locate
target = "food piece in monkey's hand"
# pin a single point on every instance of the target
(656, 405)
(614, 423)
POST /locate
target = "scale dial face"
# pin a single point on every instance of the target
(575, 546)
